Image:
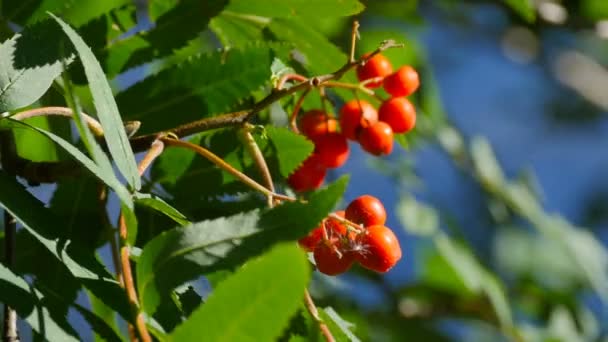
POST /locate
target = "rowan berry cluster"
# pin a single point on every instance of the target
(358, 235)
(359, 121)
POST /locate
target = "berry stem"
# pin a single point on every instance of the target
(258, 158)
(352, 225)
(171, 141)
(344, 85)
(353, 41)
(296, 110)
(314, 312)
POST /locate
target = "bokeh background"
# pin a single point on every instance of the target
(500, 197)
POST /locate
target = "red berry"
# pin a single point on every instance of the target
(329, 262)
(377, 66)
(366, 210)
(332, 149)
(309, 176)
(379, 249)
(316, 122)
(335, 231)
(355, 115)
(399, 113)
(377, 139)
(402, 82)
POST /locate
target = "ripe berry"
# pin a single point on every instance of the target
(335, 231)
(329, 262)
(332, 149)
(377, 66)
(399, 113)
(316, 122)
(379, 249)
(309, 176)
(377, 139)
(366, 210)
(355, 115)
(402, 82)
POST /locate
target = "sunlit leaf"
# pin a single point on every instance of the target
(233, 310)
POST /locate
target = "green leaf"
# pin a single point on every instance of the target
(236, 30)
(104, 174)
(340, 328)
(417, 218)
(34, 146)
(75, 12)
(107, 110)
(17, 293)
(296, 8)
(308, 42)
(292, 149)
(158, 204)
(38, 221)
(105, 313)
(207, 84)
(172, 30)
(182, 254)
(29, 62)
(271, 287)
(486, 166)
(525, 9)
(594, 9)
(475, 277)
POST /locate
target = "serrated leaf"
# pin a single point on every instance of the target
(416, 217)
(158, 204)
(296, 8)
(75, 12)
(236, 30)
(17, 293)
(29, 62)
(207, 84)
(181, 254)
(525, 9)
(172, 30)
(292, 149)
(308, 42)
(340, 328)
(107, 110)
(233, 310)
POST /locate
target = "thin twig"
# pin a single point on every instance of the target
(93, 124)
(11, 334)
(312, 308)
(296, 110)
(353, 40)
(224, 166)
(288, 77)
(258, 158)
(127, 274)
(354, 86)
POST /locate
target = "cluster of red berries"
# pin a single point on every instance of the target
(359, 121)
(336, 245)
